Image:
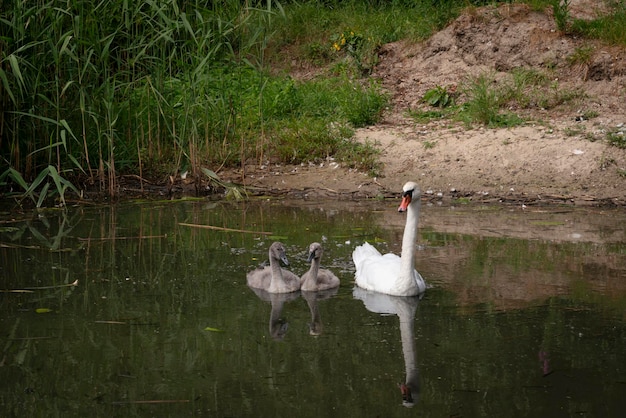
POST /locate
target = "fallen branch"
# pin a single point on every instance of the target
(219, 228)
(153, 401)
(31, 289)
(75, 283)
(122, 238)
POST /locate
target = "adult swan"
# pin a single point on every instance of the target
(389, 273)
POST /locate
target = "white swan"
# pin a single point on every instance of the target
(317, 278)
(389, 273)
(405, 308)
(274, 278)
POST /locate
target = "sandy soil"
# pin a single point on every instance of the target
(558, 156)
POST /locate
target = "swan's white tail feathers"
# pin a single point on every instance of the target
(363, 252)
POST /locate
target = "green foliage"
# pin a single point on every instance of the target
(317, 53)
(348, 41)
(361, 49)
(521, 89)
(425, 116)
(590, 114)
(364, 26)
(561, 14)
(160, 87)
(484, 101)
(609, 28)
(616, 138)
(83, 64)
(364, 156)
(439, 97)
(39, 190)
(155, 88)
(232, 191)
(361, 105)
(581, 55)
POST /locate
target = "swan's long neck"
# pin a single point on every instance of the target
(277, 325)
(315, 327)
(277, 280)
(311, 279)
(408, 240)
(408, 350)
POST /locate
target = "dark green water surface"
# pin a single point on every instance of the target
(525, 315)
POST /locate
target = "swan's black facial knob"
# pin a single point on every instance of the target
(407, 196)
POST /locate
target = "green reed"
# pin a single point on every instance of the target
(71, 68)
(157, 88)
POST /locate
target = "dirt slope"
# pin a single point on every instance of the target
(558, 156)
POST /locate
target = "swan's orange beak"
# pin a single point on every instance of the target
(407, 396)
(406, 199)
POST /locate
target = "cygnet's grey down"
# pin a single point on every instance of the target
(317, 278)
(274, 278)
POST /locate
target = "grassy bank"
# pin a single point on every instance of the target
(90, 92)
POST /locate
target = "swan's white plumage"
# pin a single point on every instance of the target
(389, 273)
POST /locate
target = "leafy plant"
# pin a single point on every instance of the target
(440, 96)
(317, 53)
(231, 190)
(360, 48)
(39, 190)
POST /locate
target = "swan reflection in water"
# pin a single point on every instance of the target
(278, 325)
(404, 307)
(316, 326)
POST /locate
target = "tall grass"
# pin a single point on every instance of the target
(607, 28)
(89, 91)
(71, 70)
(151, 87)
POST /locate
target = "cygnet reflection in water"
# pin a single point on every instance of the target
(315, 326)
(278, 325)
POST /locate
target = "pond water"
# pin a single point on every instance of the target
(134, 310)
